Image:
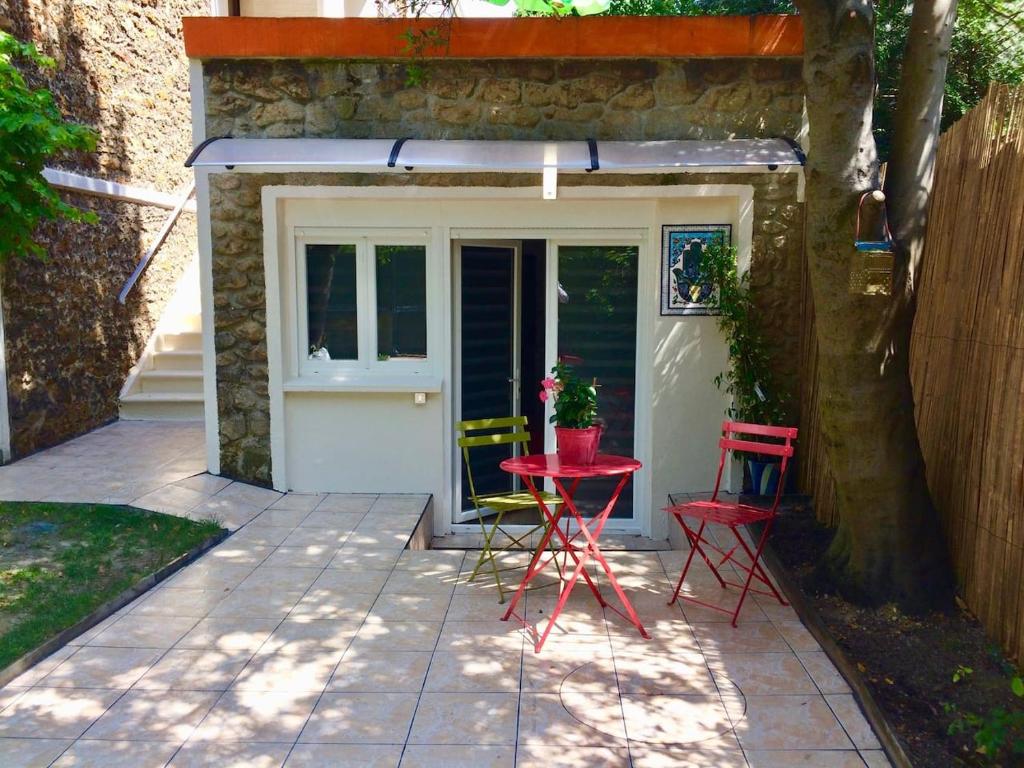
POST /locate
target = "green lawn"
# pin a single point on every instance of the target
(58, 562)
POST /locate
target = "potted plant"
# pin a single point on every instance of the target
(575, 403)
(748, 379)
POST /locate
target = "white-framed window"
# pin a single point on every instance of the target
(363, 304)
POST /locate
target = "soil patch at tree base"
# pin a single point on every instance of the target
(927, 673)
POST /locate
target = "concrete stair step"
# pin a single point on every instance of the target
(178, 360)
(162, 406)
(186, 341)
(163, 381)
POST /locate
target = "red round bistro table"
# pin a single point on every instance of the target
(549, 465)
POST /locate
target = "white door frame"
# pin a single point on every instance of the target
(516, 246)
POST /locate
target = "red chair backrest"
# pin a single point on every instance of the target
(784, 450)
(729, 443)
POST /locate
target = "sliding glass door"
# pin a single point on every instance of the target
(597, 328)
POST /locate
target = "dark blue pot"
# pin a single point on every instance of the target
(764, 477)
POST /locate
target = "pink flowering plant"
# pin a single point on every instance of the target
(575, 400)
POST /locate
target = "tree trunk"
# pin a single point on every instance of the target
(888, 545)
(911, 171)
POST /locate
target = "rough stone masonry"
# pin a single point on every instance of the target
(121, 69)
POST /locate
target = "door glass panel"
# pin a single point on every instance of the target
(597, 311)
(401, 272)
(487, 348)
(331, 312)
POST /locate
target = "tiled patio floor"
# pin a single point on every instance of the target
(312, 638)
(148, 464)
(116, 464)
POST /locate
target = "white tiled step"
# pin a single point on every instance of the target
(162, 381)
(178, 360)
(163, 406)
(187, 341)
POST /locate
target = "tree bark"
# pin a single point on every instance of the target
(911, 170)
(888, 545)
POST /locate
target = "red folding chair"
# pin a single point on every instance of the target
(733, 514)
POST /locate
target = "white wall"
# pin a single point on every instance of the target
(365, 442)
(375, 441)
(278, 7)
(687, 353)
(5, 419)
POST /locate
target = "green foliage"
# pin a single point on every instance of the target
(556, 7)
(962, 673)
(987, 46)
(698, 7)
(999, 734)
(417, 44)
(575, 400)
(749, 378)
(32, 131)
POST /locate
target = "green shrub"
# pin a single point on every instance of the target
(999, 734)
(32, 130)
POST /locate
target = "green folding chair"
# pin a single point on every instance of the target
(509, 430)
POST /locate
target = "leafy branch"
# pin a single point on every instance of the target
(32, 130)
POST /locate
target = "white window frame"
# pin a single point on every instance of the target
(366, 371)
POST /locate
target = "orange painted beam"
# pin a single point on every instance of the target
(600, 37)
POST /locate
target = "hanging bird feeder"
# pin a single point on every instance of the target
(871, 270)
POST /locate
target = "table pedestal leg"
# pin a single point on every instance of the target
(579, 554)
(593, 550)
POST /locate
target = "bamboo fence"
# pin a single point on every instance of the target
(967, 363)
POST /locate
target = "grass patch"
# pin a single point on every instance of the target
(59, 562)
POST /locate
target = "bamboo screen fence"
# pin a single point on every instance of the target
(967, 363)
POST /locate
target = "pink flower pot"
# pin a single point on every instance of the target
(578, 446)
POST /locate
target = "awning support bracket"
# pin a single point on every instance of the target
(395, 149)
(201, 146)
(797, 149)
(595, 163)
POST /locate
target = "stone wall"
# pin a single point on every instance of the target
(240, 298)
(521, 99)
(69, 344)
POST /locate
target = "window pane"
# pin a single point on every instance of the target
(401, 301)
(331, 302)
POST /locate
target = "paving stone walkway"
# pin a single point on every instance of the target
(312, 637)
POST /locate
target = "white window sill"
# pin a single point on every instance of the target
(363, 382)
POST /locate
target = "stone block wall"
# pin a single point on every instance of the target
(69, 344)
(521, 99)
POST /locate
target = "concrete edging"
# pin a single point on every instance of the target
(861, 693)
(107, 609)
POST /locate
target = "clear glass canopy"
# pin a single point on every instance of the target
(372, 155)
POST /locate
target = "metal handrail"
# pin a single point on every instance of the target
(161, 236)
